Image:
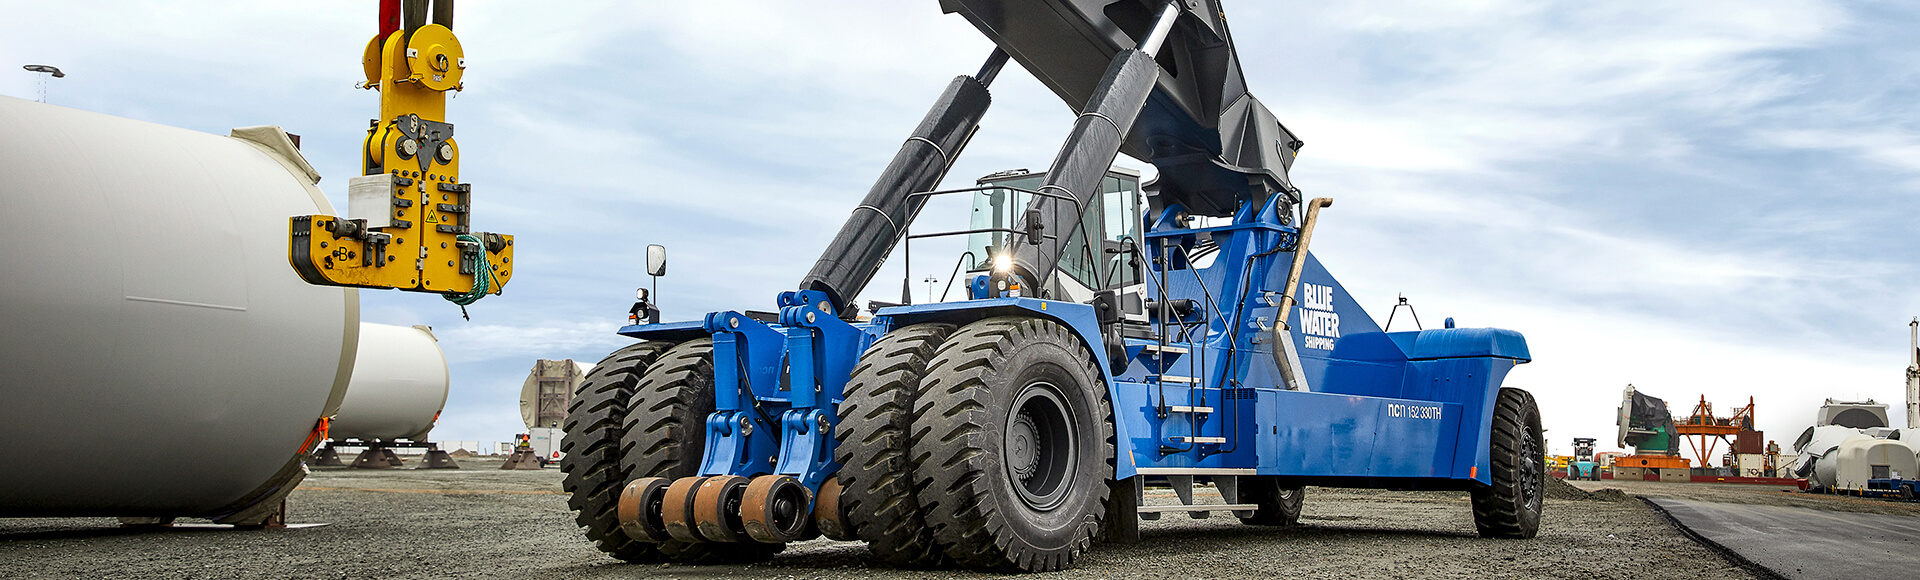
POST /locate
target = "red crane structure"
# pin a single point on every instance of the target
(1704, 432)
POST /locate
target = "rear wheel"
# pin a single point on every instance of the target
(1510, 507)
(594, 475)
(1013, 446)
(666, 436)
(874, 446)
(1279, 506)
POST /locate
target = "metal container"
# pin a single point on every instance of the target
(548, 389)
(162, 358)
(399, 385)
(1856, 414)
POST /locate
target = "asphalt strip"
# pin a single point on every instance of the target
(1795, 543)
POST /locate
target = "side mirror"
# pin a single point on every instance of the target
(656, 260)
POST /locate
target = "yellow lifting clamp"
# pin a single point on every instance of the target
(409, 220)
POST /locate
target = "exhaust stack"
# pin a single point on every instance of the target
(1913, 374)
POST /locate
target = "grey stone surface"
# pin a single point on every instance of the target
(479, 522)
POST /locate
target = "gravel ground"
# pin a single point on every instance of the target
(482, 522)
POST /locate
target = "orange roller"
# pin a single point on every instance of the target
(716, 508)
(774, 509)
(676, 509)
(639, 510)
(827, 516)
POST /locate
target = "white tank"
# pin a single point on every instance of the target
(547, 391)
(1864, 457)
(399, 385)
(160, 355)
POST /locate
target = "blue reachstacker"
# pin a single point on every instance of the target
(1099, 343)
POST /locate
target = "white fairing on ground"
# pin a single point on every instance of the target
(399, 385)
(161, 356)
(530, 393)
(1860, 454)
(1815, 459)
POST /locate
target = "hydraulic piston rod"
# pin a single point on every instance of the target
(1096, 139)
(878, 223)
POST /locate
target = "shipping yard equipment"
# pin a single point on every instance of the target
(1099, 344)
(523, 455)
(408, 224)
(1583, 466)
(1705, 432)
(1646, 426)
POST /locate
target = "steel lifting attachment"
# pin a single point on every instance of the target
(408, 222)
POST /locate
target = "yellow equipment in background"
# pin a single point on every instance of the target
(409, 220)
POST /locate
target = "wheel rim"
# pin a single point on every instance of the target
(1040, 446)
(652, 505)
(788, 509)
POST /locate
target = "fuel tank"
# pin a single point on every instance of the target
(161, 357)
(399, 385)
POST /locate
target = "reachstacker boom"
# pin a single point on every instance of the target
(408, 223)
(1096, 346)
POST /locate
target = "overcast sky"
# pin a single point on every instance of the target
(1702, 197)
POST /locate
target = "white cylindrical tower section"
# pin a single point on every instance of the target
(160, 355)
(399, 385)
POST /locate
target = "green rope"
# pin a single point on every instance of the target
(482, 277)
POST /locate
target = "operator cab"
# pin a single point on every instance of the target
(999, 207)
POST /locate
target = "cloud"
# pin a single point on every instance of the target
(1707, 197)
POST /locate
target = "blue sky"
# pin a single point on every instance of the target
(1697, 198)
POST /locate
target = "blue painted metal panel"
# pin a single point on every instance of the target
(1465, 342)
(670, 331)
(1326, 435)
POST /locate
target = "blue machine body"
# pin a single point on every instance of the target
(1400, 410)
(1582, 470)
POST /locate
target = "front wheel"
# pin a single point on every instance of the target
(594, 475)
(1510, 507)
(1013, 445)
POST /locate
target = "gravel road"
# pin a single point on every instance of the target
(483, 523)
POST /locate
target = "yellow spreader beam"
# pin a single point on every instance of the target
(408, 214)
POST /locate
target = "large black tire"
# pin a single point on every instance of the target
(1279, 506)
(1013, 446)
(666, 436)
(1510, 507)
(874, 446)
(594, 475)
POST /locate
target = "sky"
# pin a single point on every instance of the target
(1707, 198)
